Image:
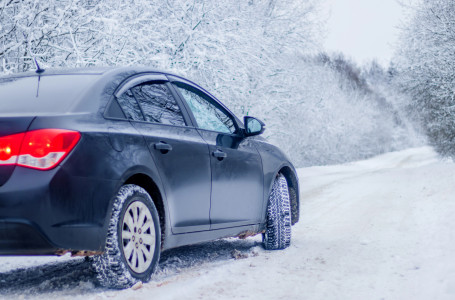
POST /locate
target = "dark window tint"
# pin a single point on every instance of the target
(130, 106)
(114, 110)
(208, 114)
(158, 104)
(46, 94)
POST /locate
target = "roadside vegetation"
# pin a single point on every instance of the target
(425, 63)
(261, 58)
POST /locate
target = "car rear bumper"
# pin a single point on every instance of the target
(51, 212)
(19, 237)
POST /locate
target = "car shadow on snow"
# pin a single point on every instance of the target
(76, 276)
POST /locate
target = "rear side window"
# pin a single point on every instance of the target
(151, 102)
(46, 94)
(130, 106)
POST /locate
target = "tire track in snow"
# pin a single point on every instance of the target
(75, 277)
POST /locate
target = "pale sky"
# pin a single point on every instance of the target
(363, 29)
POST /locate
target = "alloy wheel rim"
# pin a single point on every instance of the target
(138, 237)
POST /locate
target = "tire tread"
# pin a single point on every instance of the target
(110, 269)
(278, 224)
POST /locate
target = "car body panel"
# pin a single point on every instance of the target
(184, 172)
(237, 180)
(275, 162)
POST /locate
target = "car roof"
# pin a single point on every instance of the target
(88, 71)
(106, 74)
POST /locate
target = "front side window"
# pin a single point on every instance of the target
(207, 114)
(158, 104)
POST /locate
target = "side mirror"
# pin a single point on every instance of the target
(253, 126)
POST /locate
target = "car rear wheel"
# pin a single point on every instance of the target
(133, 240)
(278, 224)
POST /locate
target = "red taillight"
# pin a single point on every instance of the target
(39, 149)
(9, 148)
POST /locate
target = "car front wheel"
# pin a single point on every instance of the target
(133, 240)
(278, 223)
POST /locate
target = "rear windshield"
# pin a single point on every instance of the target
(38, 95)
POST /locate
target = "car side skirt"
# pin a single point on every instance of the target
(177, 240)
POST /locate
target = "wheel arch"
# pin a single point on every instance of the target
(293, 183)
(148, 184)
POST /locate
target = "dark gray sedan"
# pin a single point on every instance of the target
(123, 163)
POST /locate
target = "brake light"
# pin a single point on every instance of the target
(9, 148)
(41, 149)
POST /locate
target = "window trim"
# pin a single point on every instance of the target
(137, 80)
(156, 78)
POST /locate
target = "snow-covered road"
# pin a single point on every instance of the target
(383, 228)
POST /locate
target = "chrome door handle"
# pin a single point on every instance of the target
(163, 147)
(219, 154)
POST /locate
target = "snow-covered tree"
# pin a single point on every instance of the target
(257, 56)
(332, 114)
(233, 47)
(426, 65)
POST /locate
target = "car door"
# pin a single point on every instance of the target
(237, 177)
(179, 152)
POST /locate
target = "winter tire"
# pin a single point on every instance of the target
(133, 240)
(278, 222)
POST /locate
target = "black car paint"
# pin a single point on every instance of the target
(68, 207)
